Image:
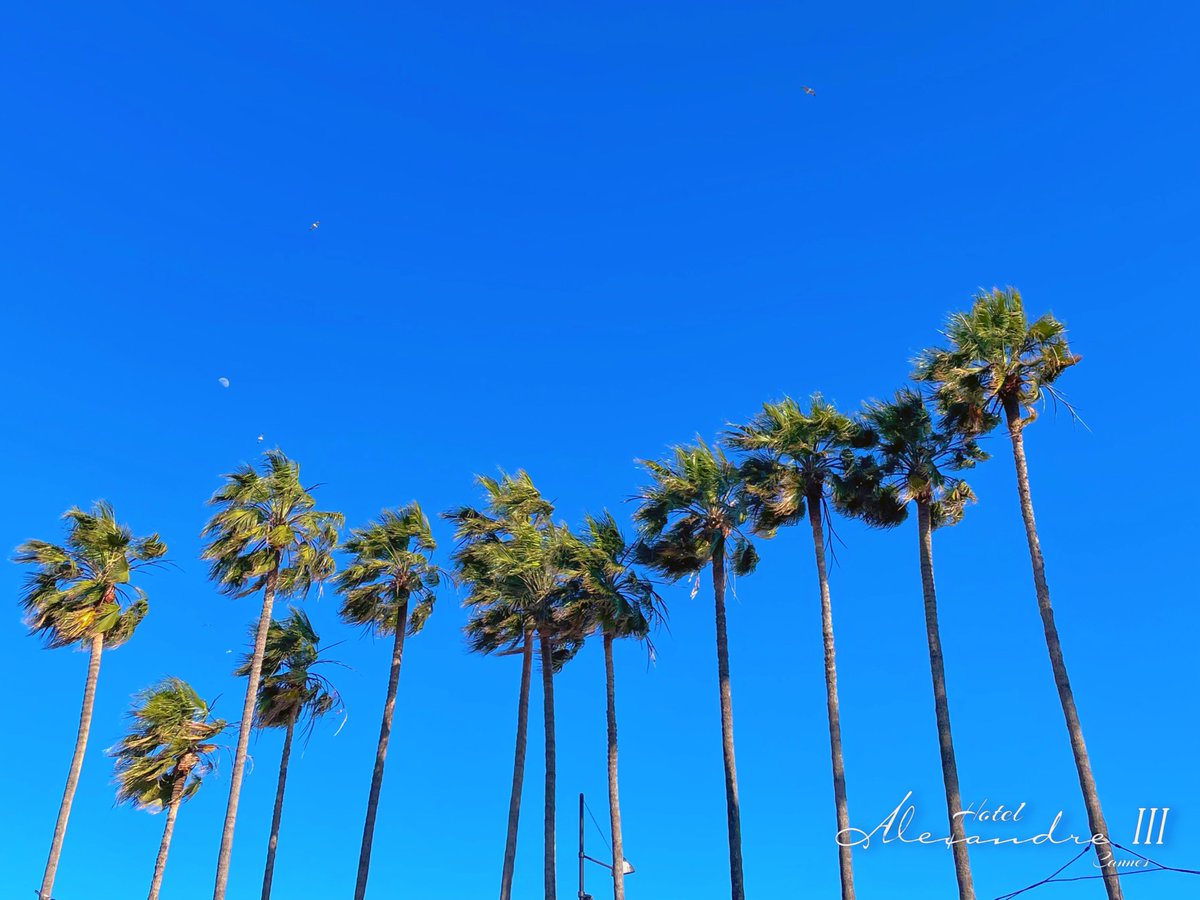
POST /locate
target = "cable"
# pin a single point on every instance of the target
(597, 824)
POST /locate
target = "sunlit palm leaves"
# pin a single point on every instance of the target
(608, 594)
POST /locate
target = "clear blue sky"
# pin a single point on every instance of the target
(560, 238)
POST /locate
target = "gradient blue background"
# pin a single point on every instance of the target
(561, 237)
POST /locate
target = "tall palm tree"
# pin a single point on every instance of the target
(266, 535)
(798, 462)
(611, 598)
(389, 569)
(515, 562)
(691, 517)
(998, 365)
(79, 594)
(289, 694)
(165, 755)
(916, 461)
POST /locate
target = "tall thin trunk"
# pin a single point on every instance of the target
(962, 864)
(845, 864)
(514, 802)
(385, 731)
(160, 862)
(243, 743)
(1091, 799)
(733, 812)
(81, 737)
(547, 651)
(614, 804)
(273, 841)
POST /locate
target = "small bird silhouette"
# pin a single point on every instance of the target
(806, 89)
(314, 225)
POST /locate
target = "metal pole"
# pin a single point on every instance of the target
(582, 895)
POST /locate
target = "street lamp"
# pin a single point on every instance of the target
(626, 865)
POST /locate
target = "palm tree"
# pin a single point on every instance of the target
(691, 517)
(78, 594)
(515, 562)
(290, 693)
(611, 598)
(798, 463)
(999, 365)
(915, 461)
(389, 569)
(266, 535)
(164, 757)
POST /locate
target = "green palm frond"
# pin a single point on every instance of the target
(169, 746)
(266, 525)
(81, 588)
(996, 363)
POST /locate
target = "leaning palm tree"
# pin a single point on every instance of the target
(691, 517)
(998, 365)
(798, 462)
(266, 535)
(389, 570)
(609, 597)
(515, 563)
(916, 461)
(78, 594)
(164, 757)
(290, 693)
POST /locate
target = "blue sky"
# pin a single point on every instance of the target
(562, 238)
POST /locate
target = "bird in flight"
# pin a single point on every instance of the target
(260, 438)
(806, 90)
(314, 225)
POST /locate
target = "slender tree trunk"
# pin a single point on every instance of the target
(547, 651)
(81, 737)
(614, 804)
(273, 841)
(1091, 799)
(733, 813)
(385, 731)
(962, 864)
(243, 743)
(160, 863)
(514, 802)
(845, 864)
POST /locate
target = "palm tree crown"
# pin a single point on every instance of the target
(608, 594)
(169, 743)
(997, 362)
(79, 589)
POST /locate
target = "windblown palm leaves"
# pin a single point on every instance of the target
(388, 587)
(78, 594)
(268, 535)
(165, 755)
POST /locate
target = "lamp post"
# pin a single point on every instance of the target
(626, 866)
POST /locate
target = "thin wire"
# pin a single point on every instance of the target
(1054, 879)
(597, 824)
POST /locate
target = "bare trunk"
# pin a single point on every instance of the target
(277, 815)
(845, 864)
(514, 802)
(81, 737)
(239, 756)
(614, 805)
(385, 731)
(733, 813)
(962, 864)
(1087, 784)
(547, 650)
(160, 863)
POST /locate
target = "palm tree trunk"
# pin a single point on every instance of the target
(160, 863)
(962, 864)
(273, 841)
(547, 652)
(614, 805)
(1091, 799)
(81, 737)
(845, 864)
(385, 731)
(514, 802)
(243, 743)
(733, 812)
